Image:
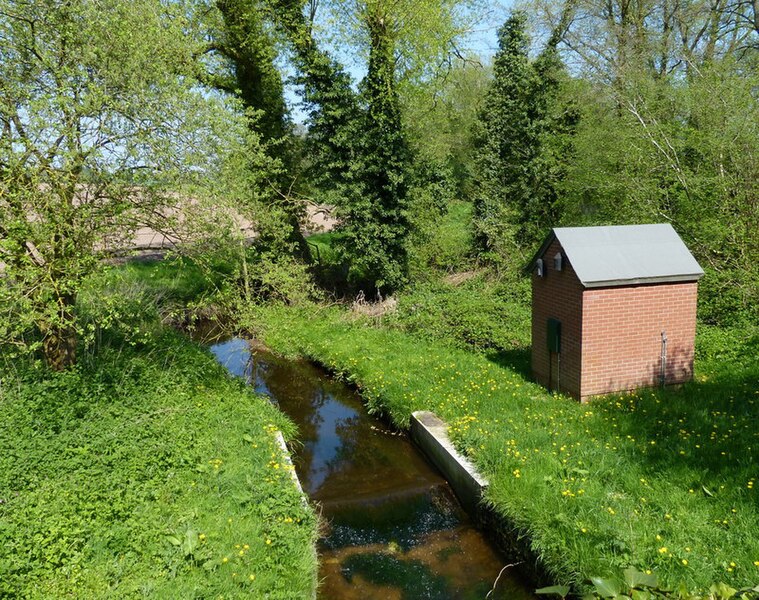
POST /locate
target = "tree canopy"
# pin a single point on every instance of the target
(100, 128)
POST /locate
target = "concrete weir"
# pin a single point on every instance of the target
(430, 433)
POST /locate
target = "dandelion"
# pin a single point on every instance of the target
(663, 550)
(251, 577)
(684, 561)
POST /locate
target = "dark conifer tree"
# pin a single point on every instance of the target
(522, 129)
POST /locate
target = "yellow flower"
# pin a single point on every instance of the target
(251, 577)
(663, 550)
(685, 561)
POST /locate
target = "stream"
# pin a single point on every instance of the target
(393, 528)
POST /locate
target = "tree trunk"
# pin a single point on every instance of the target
(59, 341)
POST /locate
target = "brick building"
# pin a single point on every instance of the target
(613, 309)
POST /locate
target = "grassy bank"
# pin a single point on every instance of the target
(146, 471)
(664, 481)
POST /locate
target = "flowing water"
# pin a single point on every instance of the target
(394, 529)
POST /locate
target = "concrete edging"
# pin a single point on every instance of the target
(289, 462)
(430, 433)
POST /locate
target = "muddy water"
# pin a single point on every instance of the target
(394, 528)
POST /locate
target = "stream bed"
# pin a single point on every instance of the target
(393, 528)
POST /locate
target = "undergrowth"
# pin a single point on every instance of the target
(146, 471)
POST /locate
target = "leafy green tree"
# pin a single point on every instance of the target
(241, 60)
(523, 133)
(504, 140)
(101, 125)
(245, 41)
(376, 219)
(440, 115)
(359, 154)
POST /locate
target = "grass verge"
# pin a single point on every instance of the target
(663, 481)
(146, 472)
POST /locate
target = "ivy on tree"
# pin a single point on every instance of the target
(522, 135)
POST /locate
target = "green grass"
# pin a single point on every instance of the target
(444, 243)
(147, 471)
(664, 481)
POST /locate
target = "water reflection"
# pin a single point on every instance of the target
(394, 528)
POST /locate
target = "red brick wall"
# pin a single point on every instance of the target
(621, 343)
(558, 295)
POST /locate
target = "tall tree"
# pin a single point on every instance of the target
(376, 220)
(525, 129)
(99, 127)
(358, 147)
(505, 141)
(249, 45)
(244, 42)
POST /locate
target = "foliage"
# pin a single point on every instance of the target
(146, 471)
(240, 60)
(663, 151)
(475, 315)
(667, 130)
(440, 115)
(657, 480)
(245, 44)
(442, 240)
(359, 154)
(523, 137)
(359, 149)
(376, 222)
(645, 586)
(502, 148)
(100, 130)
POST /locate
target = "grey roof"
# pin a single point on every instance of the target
(625, 254)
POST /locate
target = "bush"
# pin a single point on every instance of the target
(477, 314)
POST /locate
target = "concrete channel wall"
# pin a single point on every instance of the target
(430, 433)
